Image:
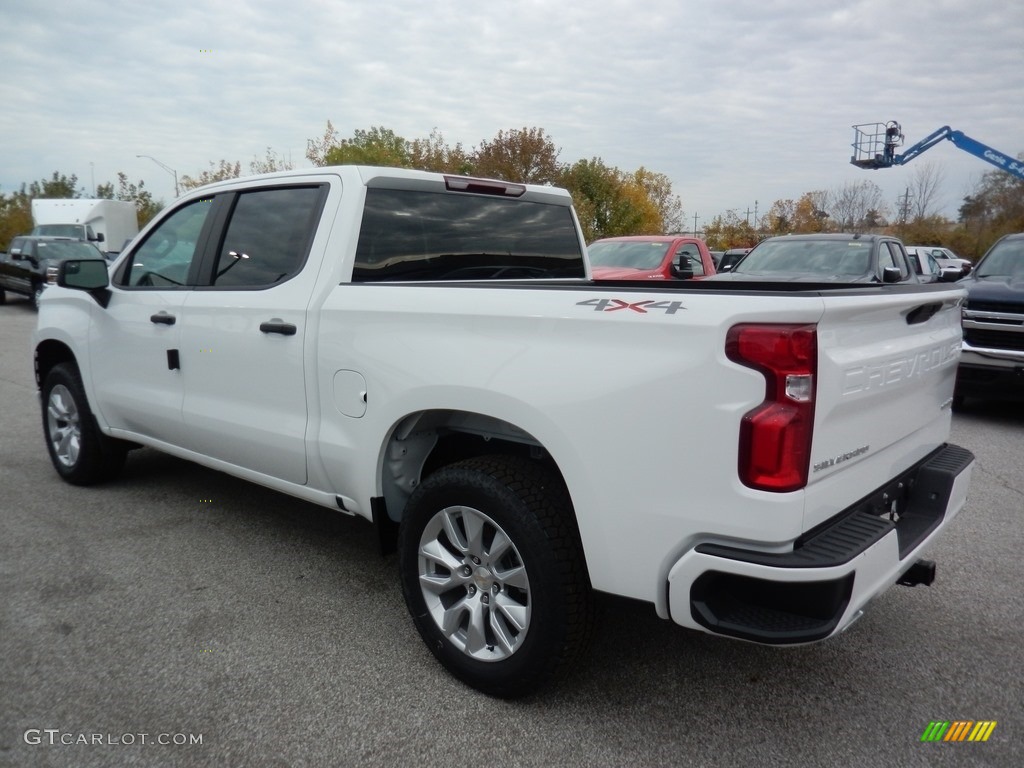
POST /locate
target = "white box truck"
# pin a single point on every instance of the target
(108, 223)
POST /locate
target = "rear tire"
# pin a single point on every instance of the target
(81, 454)
(493, 574)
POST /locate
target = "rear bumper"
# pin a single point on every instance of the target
(821, 586)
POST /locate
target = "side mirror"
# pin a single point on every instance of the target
(16, 254)
(89, 275)
(682, 270)
(891, 275)
(949, 275)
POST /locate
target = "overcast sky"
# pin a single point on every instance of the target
(739, 102)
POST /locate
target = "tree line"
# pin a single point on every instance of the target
(994, 208)
(608, 200)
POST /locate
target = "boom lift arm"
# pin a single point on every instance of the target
(874, 146)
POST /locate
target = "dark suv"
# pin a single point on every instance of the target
(992, 359)
(23, 267)
(839, 258)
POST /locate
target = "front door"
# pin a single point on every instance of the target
(135, 341)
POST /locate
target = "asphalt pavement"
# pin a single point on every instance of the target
(181, 617)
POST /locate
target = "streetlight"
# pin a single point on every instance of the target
(169, 170)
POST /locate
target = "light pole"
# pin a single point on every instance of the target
(169, 170)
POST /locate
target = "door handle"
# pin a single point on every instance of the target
(276, 326)
(162, 318)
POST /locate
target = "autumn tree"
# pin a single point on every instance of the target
(608, 201)
(225, 170)
(377, 146)
(925, 183)
(658, 189)
(434, 154)
(927, 230)
(145, 206)
(16, 208)
(994, 208)
(269, 164)
(727, 231)
(317, 149)
(15, 216)
(850, 203)
(780, 217)
(810, 214)
(57, 187)
(526, 155)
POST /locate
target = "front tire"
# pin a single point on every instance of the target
(493, 574)
(81, 454)
(37, 294)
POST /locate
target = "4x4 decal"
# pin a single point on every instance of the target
(642, 307)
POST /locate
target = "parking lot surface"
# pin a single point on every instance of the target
(178, 616)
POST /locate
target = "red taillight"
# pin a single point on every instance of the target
(775, 437)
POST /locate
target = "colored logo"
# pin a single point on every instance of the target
(958, 730)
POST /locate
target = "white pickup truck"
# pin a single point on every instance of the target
(428, 352)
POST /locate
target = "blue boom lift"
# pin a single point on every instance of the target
(874, 146)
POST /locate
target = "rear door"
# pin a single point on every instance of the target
(244, 330)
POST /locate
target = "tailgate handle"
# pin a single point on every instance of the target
(923, 313)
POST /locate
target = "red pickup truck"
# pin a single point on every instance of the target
(650, 257)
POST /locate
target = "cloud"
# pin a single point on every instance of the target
(734, 100)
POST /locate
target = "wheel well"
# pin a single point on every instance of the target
(48, 355)
(424, 442)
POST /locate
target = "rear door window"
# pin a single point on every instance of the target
(268, 237)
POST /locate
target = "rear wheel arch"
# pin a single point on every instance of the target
(424, 442)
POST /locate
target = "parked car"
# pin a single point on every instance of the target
(841, 258)
(928, 268)
(992, 356)
(650, 257)
(23, 267)
(730, 258)
(944, 256)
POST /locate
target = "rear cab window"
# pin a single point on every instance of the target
(428, 235)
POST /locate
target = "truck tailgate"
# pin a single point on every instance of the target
(886, 371)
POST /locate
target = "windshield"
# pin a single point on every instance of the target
(1005, 258)
(60, 230)
(819, 257)
(634, 255)
(67, 249)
